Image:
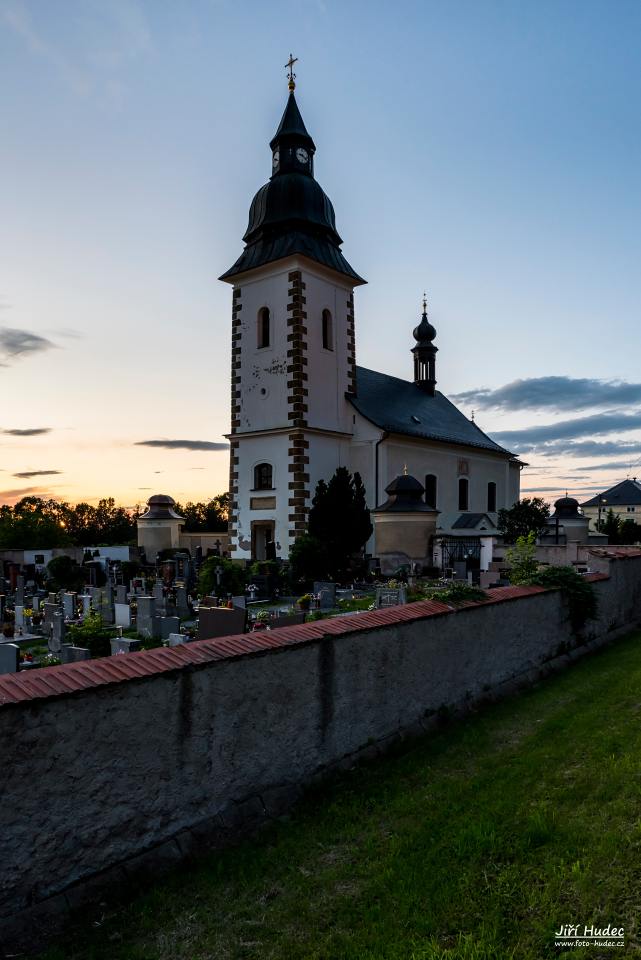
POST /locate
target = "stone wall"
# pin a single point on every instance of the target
(124, 765)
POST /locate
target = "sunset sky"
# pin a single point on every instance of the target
(488, 152)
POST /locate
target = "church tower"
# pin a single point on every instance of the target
(293, 352)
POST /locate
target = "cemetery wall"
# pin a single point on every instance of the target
(117, 767)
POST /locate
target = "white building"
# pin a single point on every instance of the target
(300, 405)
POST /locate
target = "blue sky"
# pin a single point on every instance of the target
(488, 152)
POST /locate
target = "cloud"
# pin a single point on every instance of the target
(17, 17)
(613, 465)
(27, 474)
(68, 333)
(554, 393)
(16, 343)
(20, 492)
(29, 432)
(541, 437)
(183, 444)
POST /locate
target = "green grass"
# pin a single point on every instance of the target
(474, 844)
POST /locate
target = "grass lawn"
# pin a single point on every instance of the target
(476, 843)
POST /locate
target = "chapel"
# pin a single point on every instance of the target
(301, 406)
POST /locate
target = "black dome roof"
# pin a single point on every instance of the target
(293, 200)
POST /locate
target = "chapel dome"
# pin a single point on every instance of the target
(566, 507)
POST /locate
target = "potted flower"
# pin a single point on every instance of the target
(304, 602)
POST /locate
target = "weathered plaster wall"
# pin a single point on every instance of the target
(115, 766)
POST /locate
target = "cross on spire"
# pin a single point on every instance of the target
(291, 76)
(424, 302)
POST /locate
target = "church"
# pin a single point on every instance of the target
(301, 406)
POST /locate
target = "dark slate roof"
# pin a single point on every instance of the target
(469, 521)
(399, 406)
(292, 125)
(626, 493)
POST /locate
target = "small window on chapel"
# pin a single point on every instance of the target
(263, 327)
(491, 497)
(328, 333)
(463, 494)
(263, 476)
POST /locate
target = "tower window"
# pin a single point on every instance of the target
(491, 497)
(463, 494)
(263, 476)
(430, 490)
(328, 332)
(263, 328)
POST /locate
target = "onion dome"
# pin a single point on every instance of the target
(424, 333)
(566, 508)
(405, 495)
(160, 507)
(291, 213)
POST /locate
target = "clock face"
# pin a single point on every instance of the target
(275, 159)
(302, 155)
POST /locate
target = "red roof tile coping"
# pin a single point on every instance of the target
(71, 678)
(616, 552)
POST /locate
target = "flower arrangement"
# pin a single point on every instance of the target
(304, 602)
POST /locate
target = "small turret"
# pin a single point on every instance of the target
(425, 354)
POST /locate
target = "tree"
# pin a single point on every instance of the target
(309, 559)
(611, 527)
(232, 578)
(209, 516)
(339, 519)
(63, 573)
(527, 515)
(630, 532)
(522, 559)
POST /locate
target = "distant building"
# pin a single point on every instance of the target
(623, 499)
(301, 407)
(161, 528)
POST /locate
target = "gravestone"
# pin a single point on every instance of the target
(121, 593)
(146, 617)
(2, 604)
(19, 616)
(9, 657)
(57, 633)
(20, 590)
(288, 620)
(159, 597)
(220, 622)
(36, 604)
(122, 615)
(85, 599)
(177, 639)
(389, 597)
(49, 611)
(240, 601)
(326, 591)
(168, 625)
(53, 598)
(71, 654)
(69, 605)
(182, 607)
(124, 645)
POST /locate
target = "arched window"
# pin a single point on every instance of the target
(491, 497)
(430, 490)
(263, 327)
(263, 476)
(328, 332)
(463, 494)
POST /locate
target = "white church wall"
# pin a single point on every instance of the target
(263, 401)
(252, 451)
(327, 370)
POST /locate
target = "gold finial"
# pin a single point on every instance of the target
(291, 76)
(424, 302)
(404, 469)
